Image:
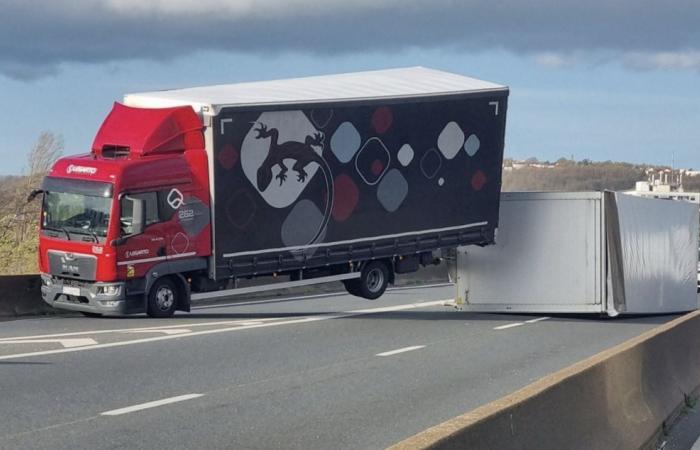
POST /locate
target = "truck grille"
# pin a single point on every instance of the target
(72, 265)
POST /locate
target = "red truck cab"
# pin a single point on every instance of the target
(122, 226)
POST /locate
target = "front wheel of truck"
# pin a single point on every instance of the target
(162, 298)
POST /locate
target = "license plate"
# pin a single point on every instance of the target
(70, 290)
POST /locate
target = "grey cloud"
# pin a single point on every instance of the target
(35, 40)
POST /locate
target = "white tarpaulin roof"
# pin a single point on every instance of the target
(392, 83)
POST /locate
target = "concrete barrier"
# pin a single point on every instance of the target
(20, 295)
(617, 399)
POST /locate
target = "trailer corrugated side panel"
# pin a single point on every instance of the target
(403, 176)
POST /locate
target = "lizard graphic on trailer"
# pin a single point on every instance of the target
(303, 154)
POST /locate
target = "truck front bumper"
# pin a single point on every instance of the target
(83, 296)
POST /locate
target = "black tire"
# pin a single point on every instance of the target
(91, 314)
(163, 298)
(351, 287)
(373, 281)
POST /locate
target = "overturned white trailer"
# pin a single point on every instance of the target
(584, 252)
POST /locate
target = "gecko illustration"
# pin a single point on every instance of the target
(303, 154)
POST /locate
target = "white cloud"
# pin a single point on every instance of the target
(682, 60)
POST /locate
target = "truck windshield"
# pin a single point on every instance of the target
(80, 214)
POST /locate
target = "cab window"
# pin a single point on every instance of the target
(150, 200)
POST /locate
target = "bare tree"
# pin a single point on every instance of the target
(47, 149)
(19, 219)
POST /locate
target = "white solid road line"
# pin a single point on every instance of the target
(134, 330)
(539, 319)
(510, 325)
(401, 350)
(66, 343)
(317, 318)
(168, 332)
(142, 406)
(518, 324)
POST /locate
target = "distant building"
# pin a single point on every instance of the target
(665, 184)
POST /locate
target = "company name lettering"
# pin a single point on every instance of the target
(134, 253)
(81, 169)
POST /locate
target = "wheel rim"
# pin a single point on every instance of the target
(165, 297)
(375, 280)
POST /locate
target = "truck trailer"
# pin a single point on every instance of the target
(188, 193)
(604, 253)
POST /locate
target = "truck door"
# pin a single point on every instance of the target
(144, 234)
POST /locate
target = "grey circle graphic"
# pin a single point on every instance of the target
(392, 190)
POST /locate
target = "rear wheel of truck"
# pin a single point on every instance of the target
(374, 278)
(163, 298)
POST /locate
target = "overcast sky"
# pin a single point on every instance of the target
(614, 79)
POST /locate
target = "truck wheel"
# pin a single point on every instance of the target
(373, 280)
(163, 298)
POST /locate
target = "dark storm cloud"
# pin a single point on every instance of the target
(35, 39)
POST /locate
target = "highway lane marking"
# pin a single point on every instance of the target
(145, 329)
(66, 343)
(539, 319)
(401, 350)
(148, 405)
(168, 332)
(518, 324)
(318, 318)
(510, 325)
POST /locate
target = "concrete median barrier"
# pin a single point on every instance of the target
(20, 295)
(620, 398)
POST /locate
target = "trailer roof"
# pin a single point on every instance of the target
(379, 84)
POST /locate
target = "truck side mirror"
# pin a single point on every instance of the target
(32, 195)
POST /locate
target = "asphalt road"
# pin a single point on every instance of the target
(322, 372)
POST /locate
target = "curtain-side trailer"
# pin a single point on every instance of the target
(351, 177)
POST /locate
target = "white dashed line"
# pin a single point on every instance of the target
(401, 350)
(154, 404)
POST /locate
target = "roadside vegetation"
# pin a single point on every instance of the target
(18, 219)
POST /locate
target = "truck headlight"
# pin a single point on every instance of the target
(108, 289)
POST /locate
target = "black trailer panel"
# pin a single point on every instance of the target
(314, 185)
